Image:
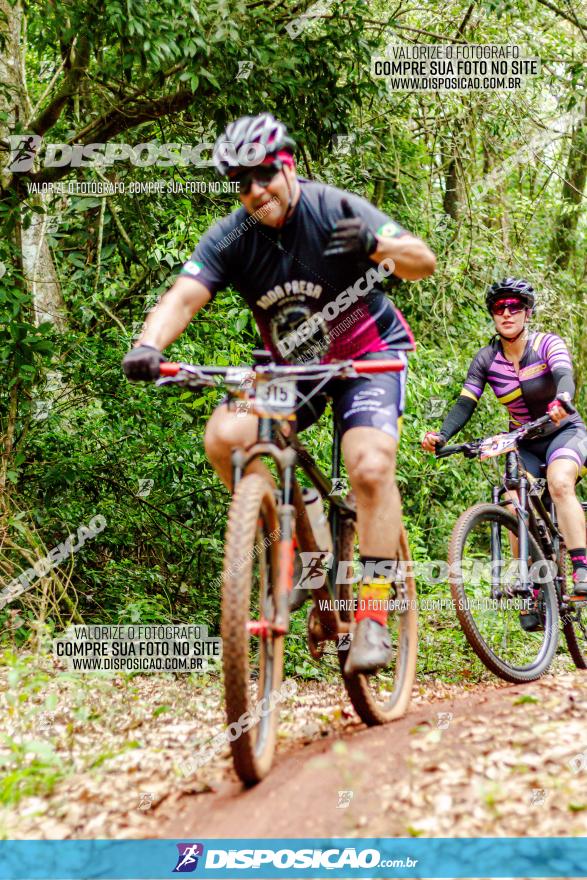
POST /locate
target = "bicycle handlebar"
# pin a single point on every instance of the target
(478, 446)
(170, 368)
(378, 366)
(445, 451)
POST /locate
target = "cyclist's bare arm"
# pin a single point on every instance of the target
(413, 259)
(174, 311)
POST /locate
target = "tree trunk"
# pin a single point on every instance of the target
(452, 183)
(37, 260)
(563, 240)
(40, 273)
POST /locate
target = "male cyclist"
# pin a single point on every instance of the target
(530, 373)
(309, 242)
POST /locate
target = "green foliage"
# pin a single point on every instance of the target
(88, 442)
(31, 768)
(29, 764)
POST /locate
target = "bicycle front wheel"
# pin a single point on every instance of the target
(515, 635)
(252, 651)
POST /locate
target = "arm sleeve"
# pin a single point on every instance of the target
(559, 363)
(472, 390)
(458, 416)
(476, 377)
(564, 382)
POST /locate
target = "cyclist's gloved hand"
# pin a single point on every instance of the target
(351, 236)
(142, 363)
(564, 400)
(557, 410)
(433, 441)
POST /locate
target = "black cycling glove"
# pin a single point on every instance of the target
(142, 363)
(351, 236)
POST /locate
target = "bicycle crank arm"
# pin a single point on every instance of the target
(523, 590)
(317, 631)
(263, 628)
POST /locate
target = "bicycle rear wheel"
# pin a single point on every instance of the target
(575, 630)
(574, 619)
(253, 664)
(385, 695)
(483, 575)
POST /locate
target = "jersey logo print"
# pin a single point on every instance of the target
(289, 288)
(532, 370)
(191, 268)
(390, 229)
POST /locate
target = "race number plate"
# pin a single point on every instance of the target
(497, 445)
(276, 397)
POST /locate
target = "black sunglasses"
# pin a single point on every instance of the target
(261, 174)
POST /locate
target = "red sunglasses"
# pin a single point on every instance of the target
(514, 306)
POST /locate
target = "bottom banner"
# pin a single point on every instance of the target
(294, 857)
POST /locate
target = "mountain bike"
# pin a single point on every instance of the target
(508, 571)
(266, 524)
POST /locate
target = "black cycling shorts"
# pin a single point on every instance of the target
(376, 400)
(569, 442)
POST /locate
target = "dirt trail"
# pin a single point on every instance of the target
(508, 762)
(112, 760)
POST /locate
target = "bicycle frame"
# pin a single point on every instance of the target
(289, 453)
(535, 518)
(515, 478)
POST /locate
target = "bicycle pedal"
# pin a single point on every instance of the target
(524, 591)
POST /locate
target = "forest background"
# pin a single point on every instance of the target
(493, 181)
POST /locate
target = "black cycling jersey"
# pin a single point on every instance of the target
(288, 284)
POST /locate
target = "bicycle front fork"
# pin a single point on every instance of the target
(516, 479)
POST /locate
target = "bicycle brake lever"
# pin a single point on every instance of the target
(565, 401)
(192, 382)
(473, 448)
(168, 380)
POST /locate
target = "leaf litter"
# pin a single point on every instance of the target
(123, 748)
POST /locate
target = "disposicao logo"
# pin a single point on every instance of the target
(187, 860)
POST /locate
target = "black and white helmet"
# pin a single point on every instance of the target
(248, 140)
(517, 287)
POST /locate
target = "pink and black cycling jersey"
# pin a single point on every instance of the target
(290, 286)
(545, 364)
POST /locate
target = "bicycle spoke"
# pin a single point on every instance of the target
(385, 695)
(252, 650)
(508, 611)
